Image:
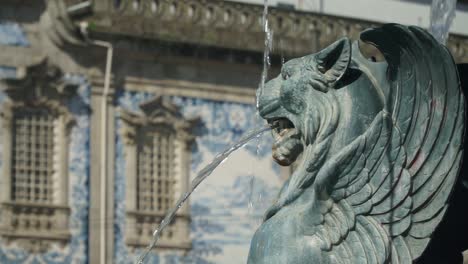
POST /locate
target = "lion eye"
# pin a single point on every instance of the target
(285, 75)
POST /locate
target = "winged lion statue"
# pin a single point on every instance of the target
(380, 146)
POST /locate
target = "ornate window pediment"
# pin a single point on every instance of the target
(157, 153)
(36, 127)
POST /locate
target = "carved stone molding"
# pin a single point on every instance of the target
(157, 148)
(172, 238)
(34, 226)
(38, 81)
(40, 85)
(57, 22)
(231, 25)
(159, 112)
(208, 91)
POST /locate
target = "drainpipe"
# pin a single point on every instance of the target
(104, 121)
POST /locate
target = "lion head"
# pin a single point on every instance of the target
(314, 99)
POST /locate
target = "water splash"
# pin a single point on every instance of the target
(202, 175)
(267, 50)
(442, 15)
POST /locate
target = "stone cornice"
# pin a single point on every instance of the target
(158, 112)
(231, 25)
(57, 22)
(190, 89)
(13, 56)
(38, 81)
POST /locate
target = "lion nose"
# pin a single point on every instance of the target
(268, 98)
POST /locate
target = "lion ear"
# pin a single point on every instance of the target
(333, 61)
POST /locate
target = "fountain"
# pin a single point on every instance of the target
(442, 15)
(381, 147)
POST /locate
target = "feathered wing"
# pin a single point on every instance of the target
(391, 185)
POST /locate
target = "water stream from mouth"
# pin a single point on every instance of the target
(207, 170)
(253, 198)
(202, 175)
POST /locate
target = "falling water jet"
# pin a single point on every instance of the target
(442, 15)
(266, 66)
(250, 204)
(266, 53)
(202, 175)
(206, 171)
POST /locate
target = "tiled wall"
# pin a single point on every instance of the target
(76, 250)
(222, 223)
(12, 34)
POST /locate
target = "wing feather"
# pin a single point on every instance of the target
(417, 245)
(391, 181)
(399, 227)
(438, 201)
(357, 248)
(369, 248)
(428, 109)
(448, 159)
(425, 229)
(405, 165)
(376, 232)
(402, 251)
(399, 192)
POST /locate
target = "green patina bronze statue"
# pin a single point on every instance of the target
(380, 145)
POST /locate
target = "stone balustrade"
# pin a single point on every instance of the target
(33, 225)
(231, 25)
(141, 226)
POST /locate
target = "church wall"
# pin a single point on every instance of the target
(75, 251)
(221, 222)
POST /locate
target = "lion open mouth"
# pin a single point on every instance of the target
(281, 125)
(288, 145)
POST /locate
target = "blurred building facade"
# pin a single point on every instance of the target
(110, 107)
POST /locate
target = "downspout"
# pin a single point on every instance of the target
(104, 121)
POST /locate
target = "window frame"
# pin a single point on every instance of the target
(36, 225)
(157, 113)
(165, 167)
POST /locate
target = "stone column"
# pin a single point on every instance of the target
(95, 218)
(7, 141)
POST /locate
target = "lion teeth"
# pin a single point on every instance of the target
(284, 131)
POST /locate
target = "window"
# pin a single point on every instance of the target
(36, 127)
(157, 157)
(32, 155)
(155, 172)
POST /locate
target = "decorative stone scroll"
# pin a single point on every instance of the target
(381, 145)
(157, 152)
